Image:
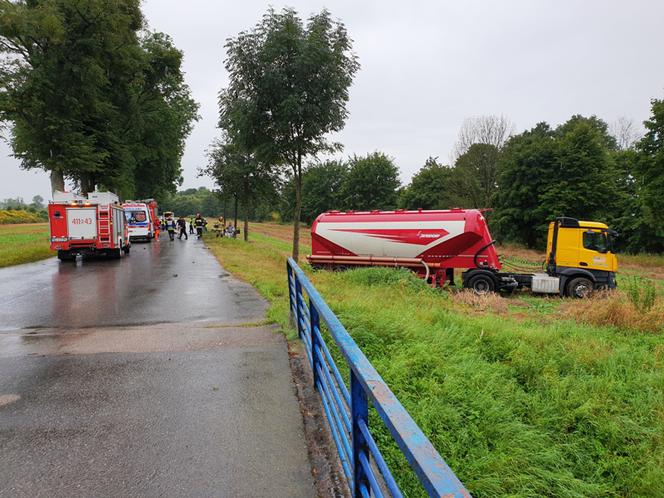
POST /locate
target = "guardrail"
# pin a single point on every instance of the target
(347, 407)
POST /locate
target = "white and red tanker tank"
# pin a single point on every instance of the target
(432, 243)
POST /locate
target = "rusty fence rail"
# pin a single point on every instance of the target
(347, 406)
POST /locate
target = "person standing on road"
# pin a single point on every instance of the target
(170, 226)
(191, 225)
(199, 223)
(182, 228)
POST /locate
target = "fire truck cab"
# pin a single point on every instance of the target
(87, 225)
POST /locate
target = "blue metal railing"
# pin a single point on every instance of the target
(347, 409)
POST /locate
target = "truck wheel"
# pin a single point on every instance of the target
(580, 287)
(481, 284)
(65, 256)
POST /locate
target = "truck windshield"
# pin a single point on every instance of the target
(136, 216)
(595, 241)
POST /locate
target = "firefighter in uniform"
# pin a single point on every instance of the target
(199, 223)
(182, 228)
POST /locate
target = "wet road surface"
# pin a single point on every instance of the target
(118, 378)
(160, 282)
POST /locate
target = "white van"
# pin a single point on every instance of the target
(138, 220)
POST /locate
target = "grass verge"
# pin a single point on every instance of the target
(521, 400)
(23, 243)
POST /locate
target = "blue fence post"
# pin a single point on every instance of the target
(298, 296)
(289, 270)
(359, 411)
(314, 324)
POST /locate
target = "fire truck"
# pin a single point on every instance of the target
(579, 259)
(92, 225)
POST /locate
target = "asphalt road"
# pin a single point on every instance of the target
(147, 376)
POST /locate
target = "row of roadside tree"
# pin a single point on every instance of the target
(93, 96)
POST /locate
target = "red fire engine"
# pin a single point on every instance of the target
(87, 226)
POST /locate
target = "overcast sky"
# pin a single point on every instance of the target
(425, 66)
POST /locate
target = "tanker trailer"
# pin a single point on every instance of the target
(435, 243)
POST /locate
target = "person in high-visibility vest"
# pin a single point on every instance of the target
(170, 226)
(191, 224)
(199, 223)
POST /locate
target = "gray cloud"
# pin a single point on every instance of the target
(428, 65)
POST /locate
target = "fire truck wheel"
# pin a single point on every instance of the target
(482, 284)
(66, 256)
(580, 287)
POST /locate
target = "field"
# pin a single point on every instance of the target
(23, 243)
(523, 396)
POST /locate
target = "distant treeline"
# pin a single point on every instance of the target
(18, 211)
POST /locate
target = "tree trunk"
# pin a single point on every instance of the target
(246, 210)
(235, 214)
(298, 207)
(57, 181)
(87, 184)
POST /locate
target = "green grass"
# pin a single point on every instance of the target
(542, 406)
(23, 243)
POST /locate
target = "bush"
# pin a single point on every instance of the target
(642, 293)
(8, 216)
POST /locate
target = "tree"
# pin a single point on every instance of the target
(649, 172)
(371, 183)
(38, 202)
(475, 175)
(581, 183)
(240, 174)
(544, 174)
(624, 132)
(523, 173)
(288, 90)
(432, 187)
(322, 186)
(165, 115)
(599, 125)
(489, 130)
(67, 83)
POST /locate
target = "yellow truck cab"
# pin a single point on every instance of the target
(580, 254)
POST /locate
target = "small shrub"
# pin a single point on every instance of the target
(642, 293)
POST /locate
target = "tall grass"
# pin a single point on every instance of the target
(517, 407)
